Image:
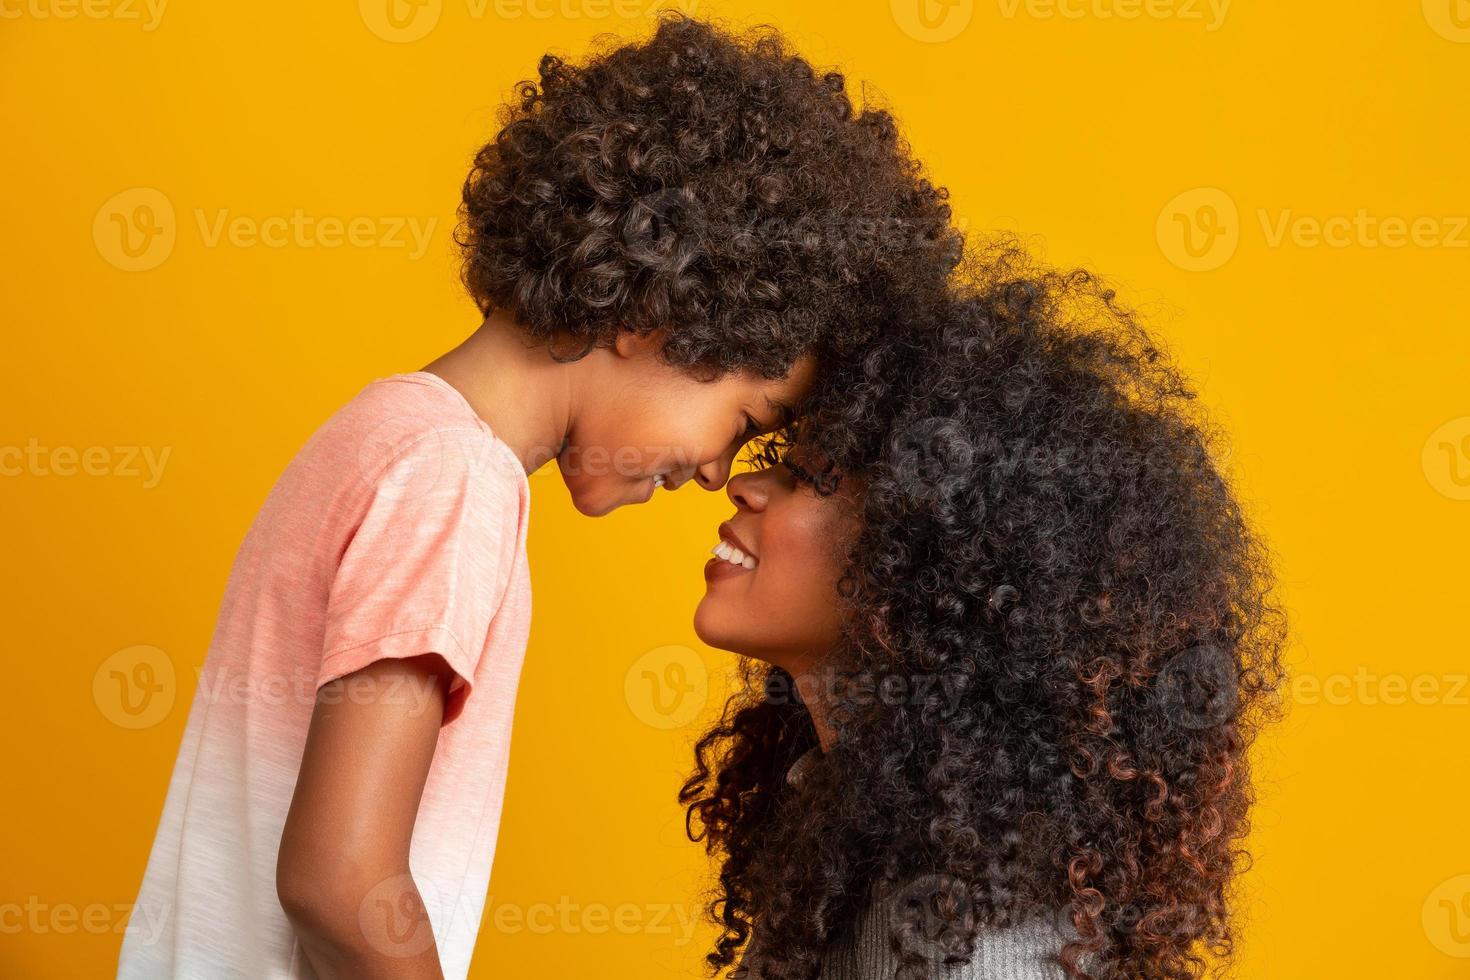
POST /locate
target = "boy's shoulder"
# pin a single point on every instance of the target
(419, 398)
(407, 428)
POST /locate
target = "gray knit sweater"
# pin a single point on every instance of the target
(1024, 952)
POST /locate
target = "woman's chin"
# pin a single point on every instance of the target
(713, 626)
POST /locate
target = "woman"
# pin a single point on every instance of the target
(1015, 637)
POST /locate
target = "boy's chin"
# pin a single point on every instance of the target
(594, 506)
(598, 497)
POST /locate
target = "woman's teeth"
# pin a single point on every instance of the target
(733, 555)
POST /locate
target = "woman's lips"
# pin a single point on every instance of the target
(727, 534)
(731, 556)
(718, 568)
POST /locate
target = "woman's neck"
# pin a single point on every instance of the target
(825, 735)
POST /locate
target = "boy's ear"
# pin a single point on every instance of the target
(630, 344)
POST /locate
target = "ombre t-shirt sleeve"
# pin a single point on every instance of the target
(425, 571)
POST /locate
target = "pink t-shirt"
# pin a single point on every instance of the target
(398, 530)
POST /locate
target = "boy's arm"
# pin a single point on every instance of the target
(342, 875)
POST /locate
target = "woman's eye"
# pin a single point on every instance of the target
(752, 427)
(798, 471)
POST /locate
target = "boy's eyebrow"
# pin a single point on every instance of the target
(783, 412)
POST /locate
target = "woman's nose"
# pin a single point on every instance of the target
(748, 491)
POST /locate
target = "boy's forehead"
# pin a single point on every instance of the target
(783, 394)
(798, 380)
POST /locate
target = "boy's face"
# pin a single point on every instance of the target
(645, 421)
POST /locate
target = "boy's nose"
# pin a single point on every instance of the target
(716, 473)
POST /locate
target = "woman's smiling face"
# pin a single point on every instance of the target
(771, 587)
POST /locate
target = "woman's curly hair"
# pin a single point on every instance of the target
(1060, 641)
(710, 184)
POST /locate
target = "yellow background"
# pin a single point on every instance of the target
(1338, 369)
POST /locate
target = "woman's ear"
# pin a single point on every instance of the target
(630, 344)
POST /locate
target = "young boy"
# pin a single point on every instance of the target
(667, 243)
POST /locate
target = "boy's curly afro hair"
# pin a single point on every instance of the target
(1076, 625)
(709, 184)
